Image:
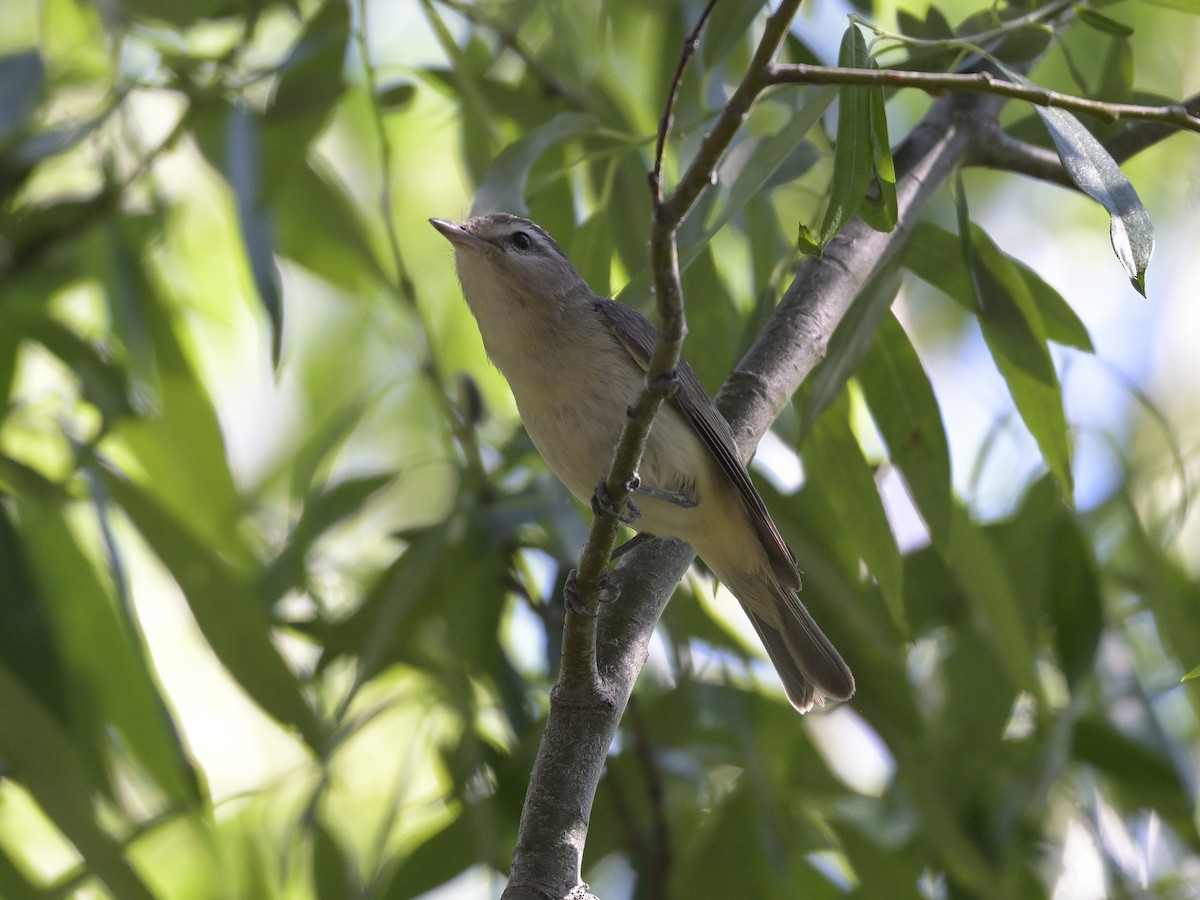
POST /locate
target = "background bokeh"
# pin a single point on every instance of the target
(282, 573)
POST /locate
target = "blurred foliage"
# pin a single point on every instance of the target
(279, 581)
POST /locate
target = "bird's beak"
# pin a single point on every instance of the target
(456, 234)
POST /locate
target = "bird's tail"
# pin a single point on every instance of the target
(808, 664)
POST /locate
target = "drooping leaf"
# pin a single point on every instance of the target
(935, 256)
(226, 608)
(41, 756)
(503, 189)
(832, 455)
(905, 410)
(112, 688)
(1015, 334)
(879, 208)
(1097, 174)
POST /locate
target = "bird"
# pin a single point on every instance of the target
(575, 363)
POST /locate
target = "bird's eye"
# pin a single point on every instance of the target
(521, 241)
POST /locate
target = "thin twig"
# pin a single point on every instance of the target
(667, 120)
(1177, 115)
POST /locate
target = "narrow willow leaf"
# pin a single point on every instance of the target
(849, 343)
(832, 455)
(905, 410)
(935, 256)
(1103, 23)
(41, 756)
(113, 685)
(879, 208)
(768, 156)
(1097, 174)
(503, 188)
(226, 608)
(1016, 336)
(853, 153)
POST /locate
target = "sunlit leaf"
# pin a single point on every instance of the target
(113, 688)
(43, 758)
(935, 256)
(225, 606)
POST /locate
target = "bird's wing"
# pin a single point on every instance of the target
(637, 335)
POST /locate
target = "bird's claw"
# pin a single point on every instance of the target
(602, 504)
(606, 592)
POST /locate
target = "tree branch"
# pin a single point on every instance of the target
(1177, 115)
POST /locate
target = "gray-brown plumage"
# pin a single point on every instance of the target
(575, 363)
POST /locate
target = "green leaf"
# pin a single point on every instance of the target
(503, 188)
(905, 410)
(43, 758)
(112, 687)
(27, 644)
(879, 208)
(754, 163)
(1148, 777)
(853, 154)
(832, 455)
(1015, 334)
(319, 228)
(226, 608)
(1102, 23)
(1192, 675)
(935, 256)
(849, 343)
(729, 24)
(310, 77)
(322, 510)
(1116, 74)
(1097, 174)
(180, 449)
(995, 607)
(103, 384)
(395, 97)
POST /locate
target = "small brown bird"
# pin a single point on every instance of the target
(575, 363)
